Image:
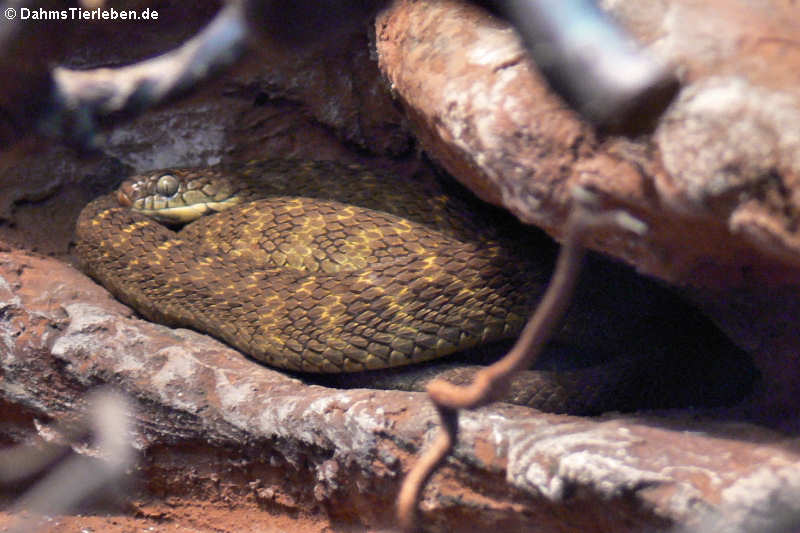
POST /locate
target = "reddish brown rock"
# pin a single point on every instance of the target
(268, 440)
(717, 183)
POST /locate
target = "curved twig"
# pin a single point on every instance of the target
(492, 381)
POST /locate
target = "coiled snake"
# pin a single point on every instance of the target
(373, 277)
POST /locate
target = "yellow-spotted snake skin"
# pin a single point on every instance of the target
(325, 268)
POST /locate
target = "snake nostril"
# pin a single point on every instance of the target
(123, 198)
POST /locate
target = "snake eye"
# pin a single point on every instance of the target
(167, 185)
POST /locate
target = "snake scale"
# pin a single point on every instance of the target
(370, 277)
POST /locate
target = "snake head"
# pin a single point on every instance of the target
(178, 196)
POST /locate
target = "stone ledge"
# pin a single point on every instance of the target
(286, 445)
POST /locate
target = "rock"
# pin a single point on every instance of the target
(717, 182)
(341, 454)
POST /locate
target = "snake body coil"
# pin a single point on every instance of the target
(307, 284)
(381, 274)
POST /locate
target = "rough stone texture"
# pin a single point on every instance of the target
(717, 183)
(265, 440)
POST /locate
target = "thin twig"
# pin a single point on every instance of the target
(493, 380)
(426, 465)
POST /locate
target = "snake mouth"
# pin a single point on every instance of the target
(186, 213)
